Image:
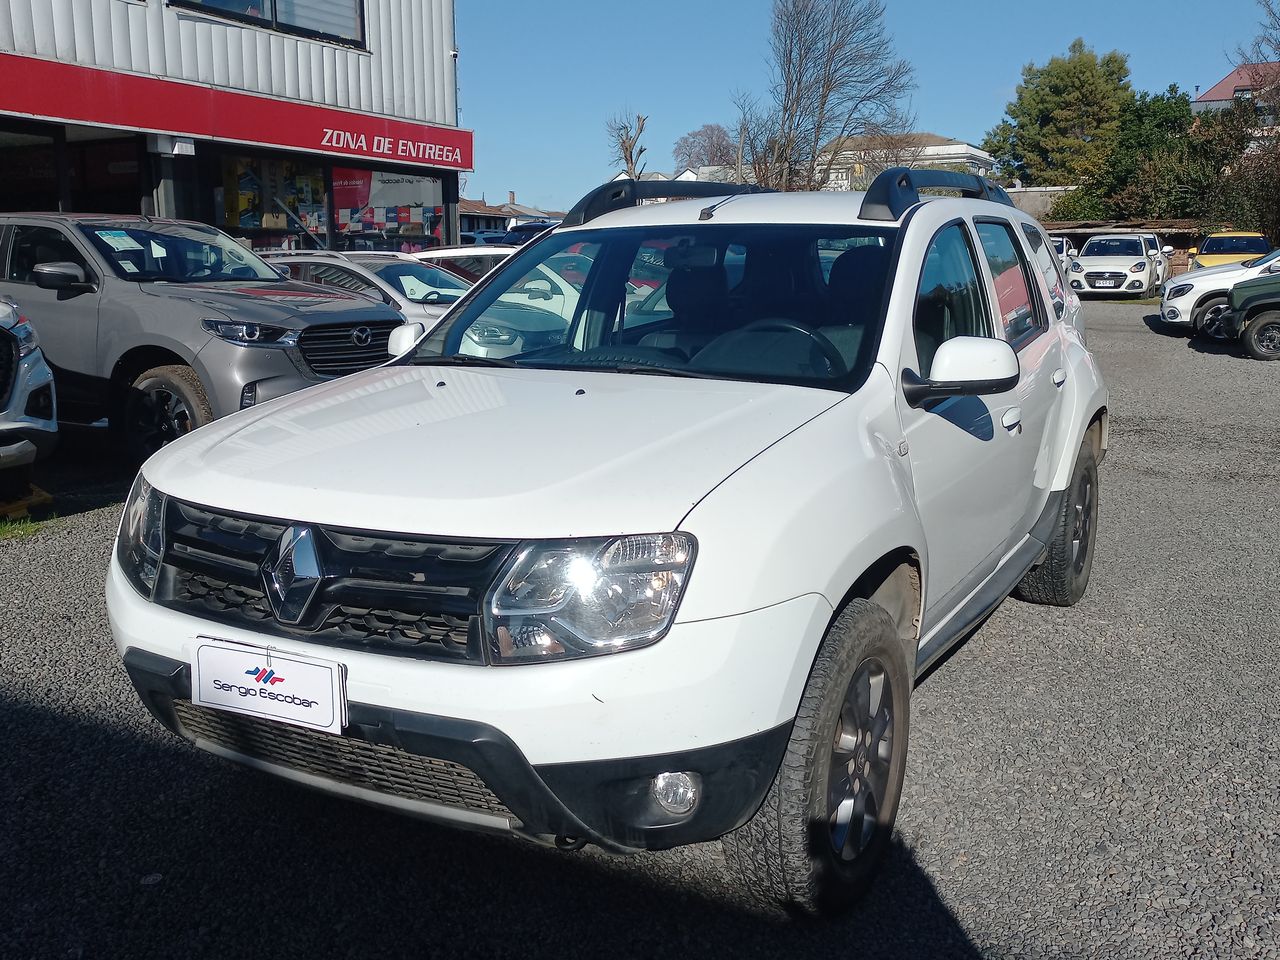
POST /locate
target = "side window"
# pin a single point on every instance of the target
(950, 301)
(1019, 315)
(1049, 267)
(36, 245)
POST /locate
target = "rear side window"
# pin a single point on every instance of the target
(1019, 316)
(35, 245)
(950, 301)
(1049, 267)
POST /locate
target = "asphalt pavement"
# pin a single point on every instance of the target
(1094, 782)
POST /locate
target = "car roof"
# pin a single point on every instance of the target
(818, 207)
(79, 218)
(469, 250)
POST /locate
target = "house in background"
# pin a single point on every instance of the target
(857, 160)
(1245, 82)
(476, 215)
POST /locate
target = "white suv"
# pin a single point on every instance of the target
(647, 582)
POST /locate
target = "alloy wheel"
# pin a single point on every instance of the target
(861, 757)
(1083, 523)
(1214, 322)
(160, 416)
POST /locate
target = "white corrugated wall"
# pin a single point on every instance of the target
(407, 70)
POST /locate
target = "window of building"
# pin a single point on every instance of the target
(376, 210)
(1018, 313)
(340, 20)
(272, 202)
(950, 302)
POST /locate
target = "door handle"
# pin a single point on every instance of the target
(1012, 420)
(1059, 377)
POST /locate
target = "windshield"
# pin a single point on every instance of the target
(1235, 245)
(1059, 245)
(1262, 261)
(175, 252)
(1113, 247)
(418, 281)
(470, 266)
(798, 303)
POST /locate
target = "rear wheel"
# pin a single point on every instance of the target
(1261, 338)
(816, 841)
(1063, 576)
(162, 404)
(1210, 319)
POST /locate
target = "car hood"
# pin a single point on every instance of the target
(1223, 259)
(1227, 271)
(497, 453)
(1109, 263)
(286, 303)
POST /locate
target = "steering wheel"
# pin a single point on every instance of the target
(782, 325)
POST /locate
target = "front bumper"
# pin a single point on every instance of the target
(1177, 311)
(569, 749)
(472, 775)
(29, 420)
(227, 369)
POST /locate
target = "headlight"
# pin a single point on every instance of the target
(1138, 267)
(250, 334)
(565, 599)
(141, 539)
(1075, 267)
(489, 334)
(1181, 290)
(28, 339)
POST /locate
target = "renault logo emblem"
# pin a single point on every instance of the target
(362, 336)
(292, 574)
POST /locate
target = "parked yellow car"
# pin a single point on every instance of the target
(1229, 246)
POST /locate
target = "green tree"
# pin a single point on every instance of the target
(1064, 120)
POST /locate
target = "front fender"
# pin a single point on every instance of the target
(807, 516)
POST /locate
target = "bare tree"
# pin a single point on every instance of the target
(624, 142)
(856, 161)
(710, 145)
(835, 75)
(1258, 60)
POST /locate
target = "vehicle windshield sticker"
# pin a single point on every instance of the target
(119, 240)
(414, 288)
(128, 267)
(158, 251)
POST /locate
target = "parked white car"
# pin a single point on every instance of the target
(642, 584)
(1160, 254)
(419, 291)
(1064, 251)
(28, 405)
(1115, 263)
(469, 262)
(1199, 300)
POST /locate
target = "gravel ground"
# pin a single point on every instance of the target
(1092, 782)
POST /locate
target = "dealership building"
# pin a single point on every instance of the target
(287, 123)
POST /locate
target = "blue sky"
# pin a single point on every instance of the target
(537, 80)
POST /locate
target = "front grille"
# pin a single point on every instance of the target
(332, 350)
(8, 366)
(357, 763)
(390, 593)
(1094, 277)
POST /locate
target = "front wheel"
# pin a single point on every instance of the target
(1210, 321)
(162, 404)
(816, 841)
(1261, 338)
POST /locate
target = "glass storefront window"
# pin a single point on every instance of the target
(272, 202)
(376, 210)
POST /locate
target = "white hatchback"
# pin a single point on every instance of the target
(652, 577)
(1115, 264)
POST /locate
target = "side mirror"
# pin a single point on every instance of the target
(1167, 250)
(404, 337)
(283, 270)
(964, 367)
(1072, 252)
(60, 275)
(1273, 266)
(1192, 252)
(539, 289)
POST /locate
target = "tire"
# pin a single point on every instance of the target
(161, 405)
(1211, 309)
(1261, 338)
(1061, 579)
(786, 854)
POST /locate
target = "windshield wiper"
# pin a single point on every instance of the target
(463, 360)
(643, 368)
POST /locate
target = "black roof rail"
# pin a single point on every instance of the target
(619, 194)
(897, 189)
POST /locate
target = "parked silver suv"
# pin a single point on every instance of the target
(160, 326)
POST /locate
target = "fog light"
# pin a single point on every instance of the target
(676, 793)
(1076, 284)
(249, 395)
(1135, 285)
(1172, 313)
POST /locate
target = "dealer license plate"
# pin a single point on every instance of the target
(1107, 283)
(303, 691)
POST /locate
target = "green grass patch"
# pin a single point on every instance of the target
(21, 528)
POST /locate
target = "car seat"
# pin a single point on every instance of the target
(698, 298)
